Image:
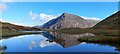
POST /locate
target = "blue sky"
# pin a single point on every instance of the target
(37, 13)
(59, 0)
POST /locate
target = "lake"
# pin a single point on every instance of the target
(53, 42)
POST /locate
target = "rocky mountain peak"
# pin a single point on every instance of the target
(66, 20)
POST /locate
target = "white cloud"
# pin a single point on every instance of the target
(92, 18)
(2, 7)
(46, 17)
(42, 17)
(33, 15)
(44, 43)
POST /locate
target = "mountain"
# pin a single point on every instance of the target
(67, 20)
(111, 22)
(92, 22)
(9, 26)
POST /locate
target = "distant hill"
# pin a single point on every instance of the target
(9, 26)
(38, 26)
(92, 22)
(111, 22)
(67, 20)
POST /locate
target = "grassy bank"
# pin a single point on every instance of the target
(95, 31)
(9, 33)
(103, 39)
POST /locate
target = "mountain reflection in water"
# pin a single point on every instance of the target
(65, 40)
(55, 42)
(69, 40)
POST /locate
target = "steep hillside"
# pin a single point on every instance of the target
(111, 22)
(9, 26)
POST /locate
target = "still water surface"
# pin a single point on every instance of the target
(53, 42)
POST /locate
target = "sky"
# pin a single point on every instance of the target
(38, 13)
(59, 0)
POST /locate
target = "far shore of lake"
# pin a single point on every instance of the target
(6, 34)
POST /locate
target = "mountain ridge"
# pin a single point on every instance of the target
(67, 20)
(10, 26)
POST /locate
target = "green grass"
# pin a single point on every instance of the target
(9, 33)
(94, 31)
(105, 39)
